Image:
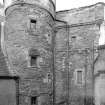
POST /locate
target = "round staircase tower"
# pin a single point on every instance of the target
(28, 35)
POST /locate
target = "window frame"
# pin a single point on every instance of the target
(73, 38)
(33, 55)
(76, 78)
(36, 100)
(32, 64)
(33, 24)
(79, 77)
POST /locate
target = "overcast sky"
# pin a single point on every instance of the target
(69, 4)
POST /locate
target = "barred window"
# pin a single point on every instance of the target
(34, 100)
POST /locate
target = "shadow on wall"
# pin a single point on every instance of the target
(89, 101)
(79, 101)
(100, 88)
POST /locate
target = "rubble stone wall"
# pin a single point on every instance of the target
(28, 30)
(82, 15)
(74, 51)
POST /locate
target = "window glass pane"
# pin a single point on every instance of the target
(79, 77)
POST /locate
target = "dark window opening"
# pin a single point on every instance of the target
(48, 34)
(33, 24)
(34, 57)
(33, 21)
(33, 100)
(79, 77)
(73, 37)
(49, 76)
(33, 61)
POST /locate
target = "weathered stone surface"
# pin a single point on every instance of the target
(100, 76)
(19, 39)
(99, 88)
(8, 91)
(82, 15)
(74, 50)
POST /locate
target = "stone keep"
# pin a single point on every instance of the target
(28, 35)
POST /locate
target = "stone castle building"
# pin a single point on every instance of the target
(76, 52)
(52, 56)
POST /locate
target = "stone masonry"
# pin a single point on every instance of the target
(77, 34)
(37, 41)
(28, 35)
